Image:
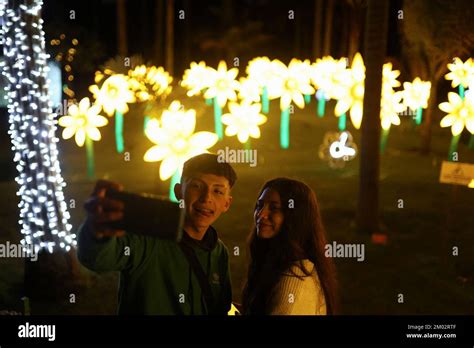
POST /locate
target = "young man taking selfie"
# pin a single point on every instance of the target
(159, 276)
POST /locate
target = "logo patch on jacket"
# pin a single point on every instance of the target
(215, 279)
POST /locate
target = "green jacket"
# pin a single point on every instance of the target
(155, 276)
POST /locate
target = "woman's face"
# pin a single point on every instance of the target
(268, 214)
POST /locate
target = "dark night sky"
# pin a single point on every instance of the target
(96, 23)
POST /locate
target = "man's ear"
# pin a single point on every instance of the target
(228, 202)
(177, 191)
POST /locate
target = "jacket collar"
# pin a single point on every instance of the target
(208, 242)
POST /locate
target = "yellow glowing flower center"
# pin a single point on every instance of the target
(222, 84)
(112, 91)
(81, 120)
(290, 84)
(179, 145)
(358, 90)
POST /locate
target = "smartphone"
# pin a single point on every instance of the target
(149, 215)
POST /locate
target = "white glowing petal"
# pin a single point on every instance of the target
(94, 110)
(470, 125)
(232, 73)
(227, 119)
(156, 153)
(261, 119)
(342, 106)
(68, 132)
(446, 107)
(447, 121)
(66, 121)
(210, 93)
(356, 114)
(100, 121)
(234, 108)
(84, 105)
(285, 101)
(168, 167)
(73, 110)
(231, 130)
(158, 136)
(254, 132)
(243, 135)
(457, 128)
(203, 140)
(395, 119)
(221, 99)
(298, 99)
(189, 123)
(93, 133)
(80, 137)
(231, 95)
(454, 98)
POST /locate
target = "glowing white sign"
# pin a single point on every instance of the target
(339, 149)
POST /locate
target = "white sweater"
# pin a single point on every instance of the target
(295, 296)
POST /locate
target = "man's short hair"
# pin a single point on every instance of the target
(207, 163)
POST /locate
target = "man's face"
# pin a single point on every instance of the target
(206, 197)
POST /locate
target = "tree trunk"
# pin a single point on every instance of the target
(328, 28)
(158, 49)
(169, 62)
(121, 28)
(187, 34)
(43, 215)
(318, 29)
(297, 33)
(354, 31)
(375, 49)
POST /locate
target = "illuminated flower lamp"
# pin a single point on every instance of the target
(244, 120)
(249, 90)
(113, 96)
(260, 70)
(289, 85)
(305, 69)
(350, 95)
(416, 95)
(221, 87)
(194, 78)
(149, 83)
(390, 106)
(337, 149)
(82, 122)
(390, 102)
(460, 114)
(324, 75)
(461, 74)
(43, 212)
(175, 142)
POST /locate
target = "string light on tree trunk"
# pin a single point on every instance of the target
(43, 212)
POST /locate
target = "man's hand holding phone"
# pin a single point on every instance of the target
(103, 212)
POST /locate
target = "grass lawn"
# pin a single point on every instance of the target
(417, 261)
